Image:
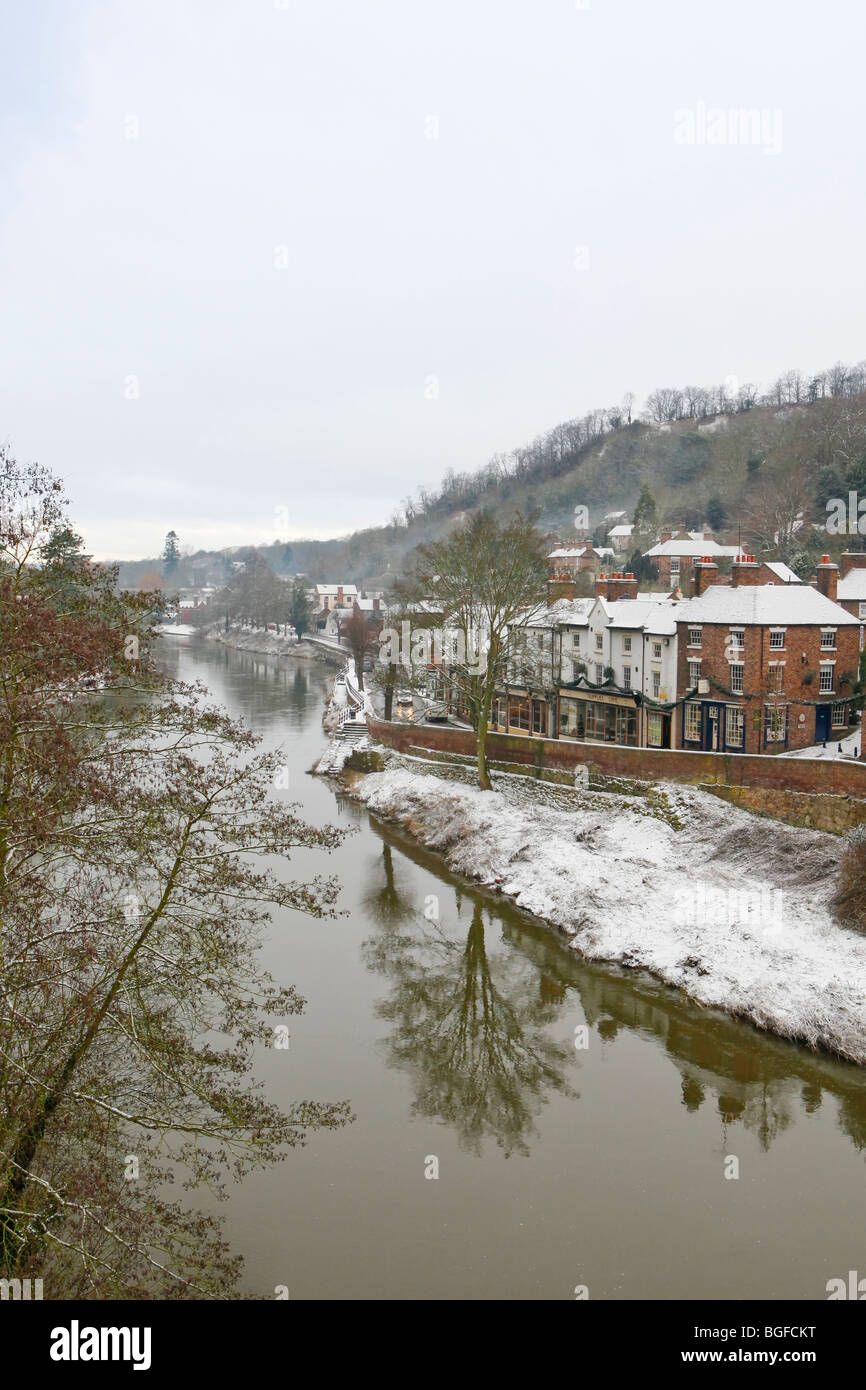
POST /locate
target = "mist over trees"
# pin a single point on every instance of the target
(706, 454)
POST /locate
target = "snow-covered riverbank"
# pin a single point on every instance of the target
(266, 643)
(730, 908)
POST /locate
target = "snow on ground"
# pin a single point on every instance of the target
(731, 908)
(851, 745)
(261, 641)
(337, 753)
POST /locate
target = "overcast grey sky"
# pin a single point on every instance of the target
(239, 239)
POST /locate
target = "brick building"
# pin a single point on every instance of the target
(851, 589)
(764, 667)
(674, 557)
(578, 559)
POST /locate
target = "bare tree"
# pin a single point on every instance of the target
(132, 905)
(362, 638)
(483, 577)
(779, 510)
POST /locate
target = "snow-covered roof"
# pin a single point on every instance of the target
(620, 531)
(614, 516)
(694, 548)
(853, 586)
(334, 589)
(634, 615)
(572, 552)
(762, 604)
(566, 612)
(786, 575)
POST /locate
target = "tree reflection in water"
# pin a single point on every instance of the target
(471, 1027)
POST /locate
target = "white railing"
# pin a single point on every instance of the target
(360, 697)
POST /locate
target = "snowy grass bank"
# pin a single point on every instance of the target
(730, 908)
(263, 643)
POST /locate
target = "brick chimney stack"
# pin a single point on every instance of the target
(706, 573)
(560, 586)
(622, 585)
(666, 536)
(853, 560)
(745, 570)
(828, 578)
(616, 585)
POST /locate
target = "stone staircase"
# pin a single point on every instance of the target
(352, 729)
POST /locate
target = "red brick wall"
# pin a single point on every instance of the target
(683, 579)
(640, 764)
(853, 559)
(753, 574)
(756, 673)
(851, 605)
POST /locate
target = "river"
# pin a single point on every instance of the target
(609, 1167)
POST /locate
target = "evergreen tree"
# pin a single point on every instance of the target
(645, 517)
(171, 553)
(716, 513)
(300, 608)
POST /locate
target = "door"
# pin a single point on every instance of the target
(713, 724)
(822, 723)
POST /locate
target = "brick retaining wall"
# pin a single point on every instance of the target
(770, 772)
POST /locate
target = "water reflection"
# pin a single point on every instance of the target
(474, 1039)
(475, 1030)
(385, 903)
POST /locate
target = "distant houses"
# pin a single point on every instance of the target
(334, 603)
(620, 537)
(579, 559)
(674, 556)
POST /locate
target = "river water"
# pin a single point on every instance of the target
(607, 1167)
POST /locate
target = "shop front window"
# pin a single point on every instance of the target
(568, 718)
(519, 714)
(693, 723)
(776, 723)
(734, 727)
